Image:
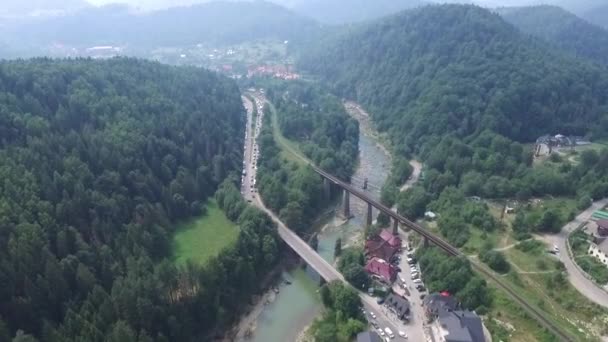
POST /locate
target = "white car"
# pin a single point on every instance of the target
(373, 315)
(402, 279)
(417, 281)
(380, 331)
(402, 334)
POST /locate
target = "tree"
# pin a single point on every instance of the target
(550, 221)
(357, 276)
(496, 260)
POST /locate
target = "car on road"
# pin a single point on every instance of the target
(402, 334)
(417, 281)
(373, 315)
(420, 288)
(380, 300)
(380, 331)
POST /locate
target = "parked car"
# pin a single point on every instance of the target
(417, 281)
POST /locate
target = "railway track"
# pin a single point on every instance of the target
(451, 250)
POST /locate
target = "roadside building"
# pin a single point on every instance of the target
(383, 269)
(368, 336)
(459, 326)
(390, 238)
(378, 248)
(435, 302)
(602, 227)
(398, 305)
(599, 215)
(599, 249)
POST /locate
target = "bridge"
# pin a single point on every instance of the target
(398, 220)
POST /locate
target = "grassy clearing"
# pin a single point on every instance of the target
(478, 239)
(289, 149)
(203, 237)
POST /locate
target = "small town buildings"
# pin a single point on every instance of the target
(449, 324)
(435, 302)
(383, 269)
(599, 215)
(390, 238)
(602, 227)
(368, 336)
(383, 246)
(599, 249)
(459, 326)
(398, 305)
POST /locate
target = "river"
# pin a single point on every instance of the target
(296, 306)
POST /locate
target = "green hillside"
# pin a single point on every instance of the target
(562, 29)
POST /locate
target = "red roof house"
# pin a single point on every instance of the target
(393, 240)
(378, 248)
(382, 269)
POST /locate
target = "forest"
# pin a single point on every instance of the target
(465, 96)
(561, 28)
(323, 131)
(99, 160)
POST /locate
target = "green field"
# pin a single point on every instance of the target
(203, 237)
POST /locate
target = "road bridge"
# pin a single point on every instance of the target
(436, 240)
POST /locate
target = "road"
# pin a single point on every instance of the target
(310, 256)
(416, 169)
(584, 285)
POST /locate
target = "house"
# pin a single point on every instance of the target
(368, 336)
(459, 326)
(398, 305)
(390, 238)
(381, 268)
(602, 227)
(429, 215)
(435, 302)
(599, 249)
(378, 248)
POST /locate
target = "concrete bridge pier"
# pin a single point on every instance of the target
(395, 227)
(326, 188)
(346, 204)
(368, 218)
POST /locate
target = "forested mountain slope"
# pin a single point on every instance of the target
(348, 11)
(98, 159)
(561, 28)
(459, 69)
(598, 16)
(215, 23)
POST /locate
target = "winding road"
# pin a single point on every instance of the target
(584, 285)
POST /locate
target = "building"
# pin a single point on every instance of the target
(435, 302)
(368, 336)
(602, 227)
(459, 326)
(378, 248)
(599, 249)
(390, 238)
(429, 215)
(599, 215)
(398, 305)
(381, 268)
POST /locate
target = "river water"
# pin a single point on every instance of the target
(298, 304)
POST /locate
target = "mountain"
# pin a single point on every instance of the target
(597, 15)
(348, 11)
(561, 28)
(19, 8)
(215, 22)
(459, 70)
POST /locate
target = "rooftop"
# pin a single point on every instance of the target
(368, 336)
(398, 304)
(461, 326)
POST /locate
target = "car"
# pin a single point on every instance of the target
(380, 300)
(402, 334)
(422, 296)
(415, 275)
(402, 279)
(374, 324)
(417, 281)
(373, 315)
(380, 331)
(420, 288)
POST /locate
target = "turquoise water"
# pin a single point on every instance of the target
(297, 305)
